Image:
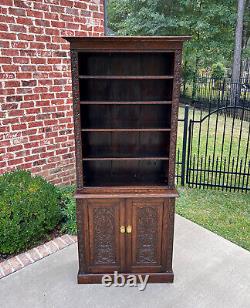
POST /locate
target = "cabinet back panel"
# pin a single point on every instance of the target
(126, 63)
(126, 90)
(124, 144)
(126, 116)
(116, 173)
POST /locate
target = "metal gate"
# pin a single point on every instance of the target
(214, 151)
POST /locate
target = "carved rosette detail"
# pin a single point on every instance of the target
(147, 233)
(77, 120)
(174, 117)
(104, 236)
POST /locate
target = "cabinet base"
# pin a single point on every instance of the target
(153, 277)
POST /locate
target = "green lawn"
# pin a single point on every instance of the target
(224, 213)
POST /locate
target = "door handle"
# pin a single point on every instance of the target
(122, 229)
(129, 229)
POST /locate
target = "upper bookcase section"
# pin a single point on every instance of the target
(127, 43)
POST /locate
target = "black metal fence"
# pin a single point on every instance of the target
(214, 135)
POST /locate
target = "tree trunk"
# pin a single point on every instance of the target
(235, 86)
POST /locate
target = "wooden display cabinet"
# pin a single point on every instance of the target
(125, 100)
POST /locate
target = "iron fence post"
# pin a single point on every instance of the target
(184, 145)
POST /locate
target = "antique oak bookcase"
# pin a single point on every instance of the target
(125, 100)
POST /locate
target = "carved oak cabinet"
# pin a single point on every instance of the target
(125, 100)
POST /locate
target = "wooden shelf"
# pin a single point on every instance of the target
(124, 158)
(126, 103)
(125, 77)
(126, 130)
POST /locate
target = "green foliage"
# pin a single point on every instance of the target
(29, 209)
(69, 209)
(225, 213)
(210, 22)
(218, 71)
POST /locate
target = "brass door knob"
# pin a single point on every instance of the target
(129, 229)
(122, 229)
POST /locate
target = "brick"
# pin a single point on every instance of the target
(18, 44)
(29, 83)
(28, 68)
(43, 251)
(57, 9)
(51, 246)
(7, 36)
(26, 37)
(42, 23)
(12, 84)
(33, 255)
(10, 68)
(7, 92)
(24, 90)
(15, 263)
(24, 21)
(24, 259)
(24, 75)
(9, 52)
(5, 60)
(59, 243)
(18, 28)
(21, 3)
(16, 11)
(14, 148)
(14, 99)
(6, 268)
(33, 13)
(37, 30)
(15, 113)
(7, 2)
(66, 238)
(35, 45)
(14, 162)
(21, 60)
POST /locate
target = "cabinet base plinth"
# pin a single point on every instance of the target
(83, 278)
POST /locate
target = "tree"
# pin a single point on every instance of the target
(238, 42)
(210, 22)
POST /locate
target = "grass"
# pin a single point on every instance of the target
(226, 214)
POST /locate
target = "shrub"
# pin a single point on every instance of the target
(29, 209)
(69, 209)
(218, 71)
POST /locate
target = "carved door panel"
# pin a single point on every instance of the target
(146, 251)
(106, 243)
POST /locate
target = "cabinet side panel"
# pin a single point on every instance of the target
(82, 234)
(168, 234)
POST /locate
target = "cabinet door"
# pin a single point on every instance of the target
(149, 243)
(106, 244)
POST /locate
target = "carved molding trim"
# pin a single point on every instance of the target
(174, 117)
(77, 119)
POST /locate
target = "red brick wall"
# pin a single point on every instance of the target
(36, 125)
